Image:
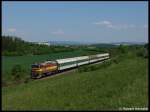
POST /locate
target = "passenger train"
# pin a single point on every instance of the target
(39, 70)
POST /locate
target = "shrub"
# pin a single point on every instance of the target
(115, 60)
(27, 80)
(142, 53)
(94, 67)
(123, 49)
(16, 72)
(84, 68)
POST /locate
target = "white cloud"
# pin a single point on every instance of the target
(58, 32)
(103, 23)
(109, 24)
(12, 30)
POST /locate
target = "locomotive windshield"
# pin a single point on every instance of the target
(35, 66)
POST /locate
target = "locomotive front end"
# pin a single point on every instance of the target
(43, 69)
(35, 70)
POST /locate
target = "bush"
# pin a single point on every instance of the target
(123, 49)
(16, 72)
(116, 60)
(142, 53)
(27, 80)
(82, 69)
(94, 67)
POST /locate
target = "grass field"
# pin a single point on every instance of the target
(119, 85)
(25, 61)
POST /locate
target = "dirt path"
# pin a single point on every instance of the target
(12, 84)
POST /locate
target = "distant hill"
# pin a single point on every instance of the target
(66, 43)
(113, 44)
(103, 45)
(15, 46)
(129, 43)
(95, 44)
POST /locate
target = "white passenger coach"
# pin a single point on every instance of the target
(39, 70)
(78, 61)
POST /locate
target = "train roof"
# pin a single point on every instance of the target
(104, 54)
(78, 58)
(59, 61)
(66, 60)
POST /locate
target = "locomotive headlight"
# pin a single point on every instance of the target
(39, 70)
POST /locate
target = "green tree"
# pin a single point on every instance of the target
(123, 49)
(16, 72)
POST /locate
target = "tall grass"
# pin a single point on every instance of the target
(113, 87)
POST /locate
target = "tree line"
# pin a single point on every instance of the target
(15, 46)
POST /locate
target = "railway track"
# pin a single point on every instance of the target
(66, 72)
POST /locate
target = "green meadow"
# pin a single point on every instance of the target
(123, 84)
(37, 32)
(8, 62)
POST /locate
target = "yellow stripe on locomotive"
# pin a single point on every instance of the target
(42, 68)
(46, 69)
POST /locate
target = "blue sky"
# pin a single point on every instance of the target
(76, 21)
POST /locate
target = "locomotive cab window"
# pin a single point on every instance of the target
(35, 66)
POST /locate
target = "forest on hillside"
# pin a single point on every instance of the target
(15, 46)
